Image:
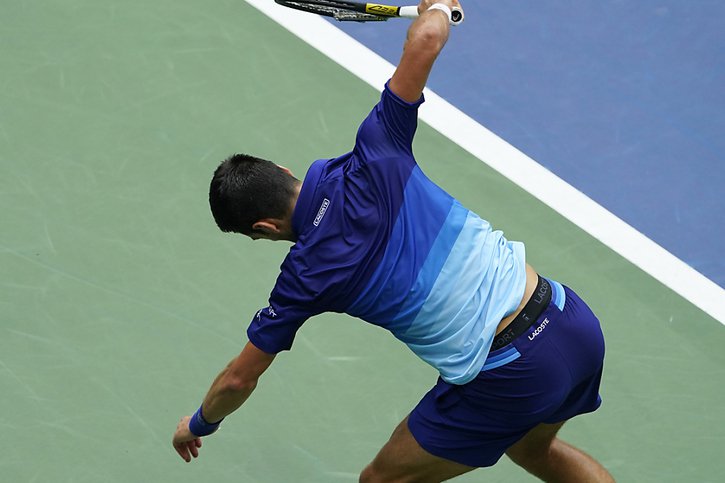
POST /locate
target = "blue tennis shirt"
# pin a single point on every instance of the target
(378, 240)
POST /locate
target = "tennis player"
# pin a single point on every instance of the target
(518, 354)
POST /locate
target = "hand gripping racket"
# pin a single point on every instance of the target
(360, 12)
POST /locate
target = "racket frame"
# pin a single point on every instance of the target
(345, 11)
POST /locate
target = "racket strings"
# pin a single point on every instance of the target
(340, 14)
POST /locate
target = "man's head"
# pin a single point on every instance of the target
(254, 197)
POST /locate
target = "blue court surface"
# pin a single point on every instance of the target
(622, 99)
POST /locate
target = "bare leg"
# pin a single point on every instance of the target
(542, 454)
(403, 460)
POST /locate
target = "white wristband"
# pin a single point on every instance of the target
(443, 8)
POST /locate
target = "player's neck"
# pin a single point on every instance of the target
(293, 203)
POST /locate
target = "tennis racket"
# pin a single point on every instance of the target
(360, 12)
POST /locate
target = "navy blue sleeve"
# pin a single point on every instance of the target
(388, 130)
(274, 327)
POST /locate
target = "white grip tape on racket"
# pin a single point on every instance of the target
(455, 12)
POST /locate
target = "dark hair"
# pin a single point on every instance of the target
(246, 189)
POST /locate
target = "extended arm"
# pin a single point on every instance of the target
(426, 38)
(228, 391)
(235, 383)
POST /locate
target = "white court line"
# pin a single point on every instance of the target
(510, 162)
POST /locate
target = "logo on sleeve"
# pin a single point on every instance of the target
(270, 311)
(321, 211)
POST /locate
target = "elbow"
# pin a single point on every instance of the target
(426, 43)
(236, 385)
(431, 34)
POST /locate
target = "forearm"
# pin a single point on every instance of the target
(426, 38)
(228, 391)
(235, 383)
(226, 395)
(428, 33)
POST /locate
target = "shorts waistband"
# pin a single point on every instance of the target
(534, 307)
(501, 352)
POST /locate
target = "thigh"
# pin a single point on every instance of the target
(402, 459)
(535, 442)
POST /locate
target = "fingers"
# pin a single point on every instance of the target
(185, 443)
(183, 451)
(193, 447)
(188, 449)
(426, 4)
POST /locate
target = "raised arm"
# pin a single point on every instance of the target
(426, 38)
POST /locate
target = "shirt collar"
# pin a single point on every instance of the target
(306, 196)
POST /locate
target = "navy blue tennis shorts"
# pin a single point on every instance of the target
(548, 374)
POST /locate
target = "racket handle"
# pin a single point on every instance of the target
(412, 12)
(456, 16)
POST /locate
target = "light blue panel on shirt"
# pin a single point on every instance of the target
(445, 281)
(481, 282)
(431, 269)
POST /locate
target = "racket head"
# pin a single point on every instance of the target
(339, 10)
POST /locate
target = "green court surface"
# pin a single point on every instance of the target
(120, 300)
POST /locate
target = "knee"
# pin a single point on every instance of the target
(367, 475)
(375, 474)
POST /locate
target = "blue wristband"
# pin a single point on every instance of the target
(200, 427)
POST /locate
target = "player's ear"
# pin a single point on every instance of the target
(268, 226)
(286, 170)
